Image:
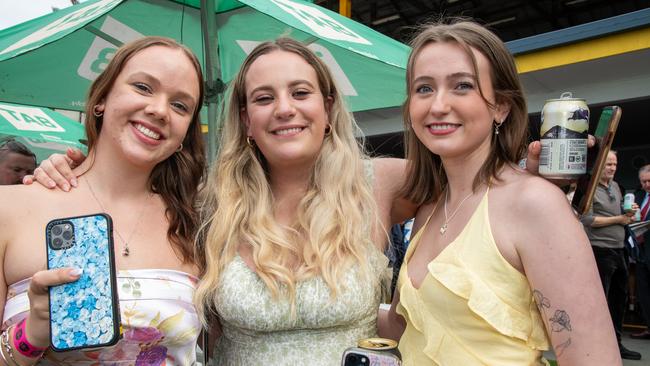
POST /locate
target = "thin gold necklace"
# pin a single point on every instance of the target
(443, 228)
(125, 243)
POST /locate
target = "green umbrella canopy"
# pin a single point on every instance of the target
(42, 130)
(51, 60)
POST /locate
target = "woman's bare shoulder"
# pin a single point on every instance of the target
(19, 200)
(528, 186)
(525, 193)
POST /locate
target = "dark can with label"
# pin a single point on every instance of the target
(564, 133)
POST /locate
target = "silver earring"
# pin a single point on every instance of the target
(250, 141)
(496, 127)
(96, 112)
(180, 148)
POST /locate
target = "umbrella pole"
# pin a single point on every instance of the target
(213, 84)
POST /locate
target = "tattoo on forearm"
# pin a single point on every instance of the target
(559, 349)
(542, 302)
(558, 323)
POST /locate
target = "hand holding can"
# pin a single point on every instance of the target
(564, 134)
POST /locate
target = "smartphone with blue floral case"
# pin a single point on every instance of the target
(84, 313)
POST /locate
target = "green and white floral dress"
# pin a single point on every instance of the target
(258, 330)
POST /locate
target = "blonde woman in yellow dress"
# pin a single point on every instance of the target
(499, 269)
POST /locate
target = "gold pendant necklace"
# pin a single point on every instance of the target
(443, 228)
(125, 243)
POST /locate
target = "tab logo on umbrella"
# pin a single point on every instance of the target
(67, 22)
(101, 51)
(29, 119)
(319, 22)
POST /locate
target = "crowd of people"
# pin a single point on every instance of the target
(280, 255)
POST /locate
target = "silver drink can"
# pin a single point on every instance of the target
(564, 132)
(628, 200)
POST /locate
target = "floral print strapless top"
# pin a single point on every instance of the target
(159, 322)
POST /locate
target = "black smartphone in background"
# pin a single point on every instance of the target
(596, 158)
(84, 313)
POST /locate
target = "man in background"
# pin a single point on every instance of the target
(605, 226)
(16, 161)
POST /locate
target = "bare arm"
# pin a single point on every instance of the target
(37, 327)
(390, 176)
(390, 324)
(560, 267)
(600, 221)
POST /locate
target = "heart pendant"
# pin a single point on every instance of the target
(443, 228)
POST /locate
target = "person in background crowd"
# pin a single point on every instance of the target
(498, 266)
(16, 161)
(642, 198)
(604, 223)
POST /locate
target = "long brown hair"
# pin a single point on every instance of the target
(425, 177)
(176, 178)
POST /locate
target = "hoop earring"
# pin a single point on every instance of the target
(180, 148)
(328, 129)
(96, 112)
(496, 127)
(250, 142)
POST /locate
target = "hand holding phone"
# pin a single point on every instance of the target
(38, 330)
(84, 313)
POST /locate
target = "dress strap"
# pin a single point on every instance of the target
(416, 237)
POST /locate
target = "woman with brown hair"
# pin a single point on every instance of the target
(145, 161)
(498, 268)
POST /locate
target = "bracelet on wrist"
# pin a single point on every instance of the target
(5, 348)
(22, 345)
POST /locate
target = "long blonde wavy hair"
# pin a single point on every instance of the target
(334, 218)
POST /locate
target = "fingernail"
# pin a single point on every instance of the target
(76, 272)
(66, 187)
(73, 181)
(51, 184)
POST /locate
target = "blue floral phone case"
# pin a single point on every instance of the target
(84, 313)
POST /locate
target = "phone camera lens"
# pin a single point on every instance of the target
(356, 360)
(67, 235)
(56, 230)
(57, 242)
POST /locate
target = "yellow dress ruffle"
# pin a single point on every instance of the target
(472, 308)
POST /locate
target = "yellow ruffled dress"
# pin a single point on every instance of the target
(472, 308)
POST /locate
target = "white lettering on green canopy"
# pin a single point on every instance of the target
(29, 119)
(101, 51)
(319, 22)
(69, 21)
